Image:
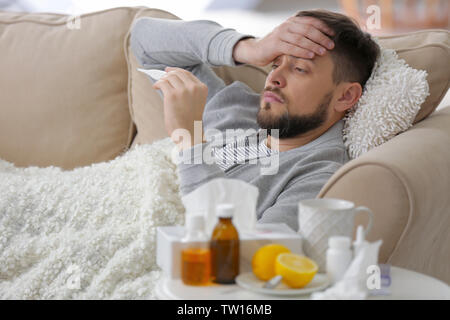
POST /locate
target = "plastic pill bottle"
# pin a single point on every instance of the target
(338, 257)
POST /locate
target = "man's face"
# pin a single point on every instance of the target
(306, 90)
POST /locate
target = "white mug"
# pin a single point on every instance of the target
(319, 219)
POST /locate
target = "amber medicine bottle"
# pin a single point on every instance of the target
(195, 256)
(224, 246)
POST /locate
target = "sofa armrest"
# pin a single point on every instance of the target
(406, 182)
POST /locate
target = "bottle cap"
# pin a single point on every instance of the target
(195, 222)
(339, 242)
(225, 210)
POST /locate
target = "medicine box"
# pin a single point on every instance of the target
(169, 245)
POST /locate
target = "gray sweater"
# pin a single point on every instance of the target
(198, 45)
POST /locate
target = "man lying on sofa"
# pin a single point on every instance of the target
(312, 83)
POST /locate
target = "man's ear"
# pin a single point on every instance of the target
(349, 95)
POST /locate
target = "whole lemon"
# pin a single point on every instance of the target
(297, 270)
(263, 262)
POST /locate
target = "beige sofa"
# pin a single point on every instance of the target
(72, 96)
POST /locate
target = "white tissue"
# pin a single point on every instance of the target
(153, 73)
(353, 285)
(242, 195)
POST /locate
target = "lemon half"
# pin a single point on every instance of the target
(297, 271)
(263, 261)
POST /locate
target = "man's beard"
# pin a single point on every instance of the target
(292, 126)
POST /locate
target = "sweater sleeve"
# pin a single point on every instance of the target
(157, 43)
(285, 208)
(195, 46)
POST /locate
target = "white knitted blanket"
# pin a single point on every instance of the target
(88, 233)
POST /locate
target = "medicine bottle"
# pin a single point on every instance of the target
(195, 255)
(224, 246)
(338, 257)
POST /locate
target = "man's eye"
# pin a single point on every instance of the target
(298, 69)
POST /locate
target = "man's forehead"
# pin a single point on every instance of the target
(309, 61)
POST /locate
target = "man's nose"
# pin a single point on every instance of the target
(277, 78)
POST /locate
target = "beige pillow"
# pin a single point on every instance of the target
(64, 98)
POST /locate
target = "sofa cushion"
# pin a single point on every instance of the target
(64, 95)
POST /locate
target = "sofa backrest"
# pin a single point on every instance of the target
(64, 89)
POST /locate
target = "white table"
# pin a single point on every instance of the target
(405, 284)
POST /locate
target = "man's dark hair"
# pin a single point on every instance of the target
(354, 53)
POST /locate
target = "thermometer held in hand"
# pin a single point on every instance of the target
(153, 73)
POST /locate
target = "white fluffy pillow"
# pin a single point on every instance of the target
(390, 102)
